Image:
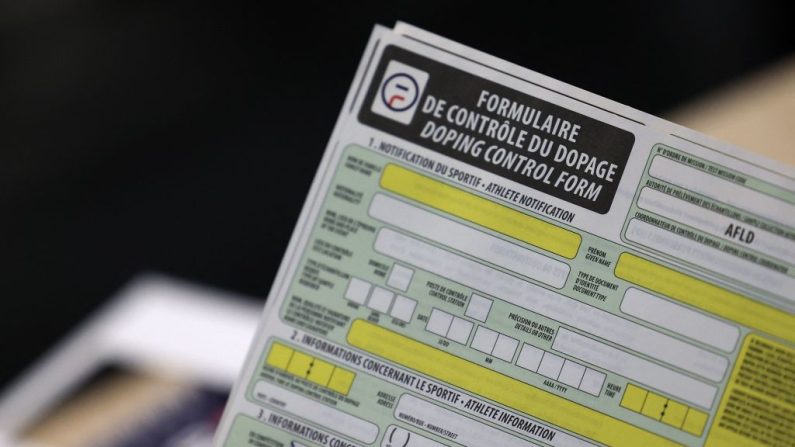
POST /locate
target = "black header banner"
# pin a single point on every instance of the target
(511, 134)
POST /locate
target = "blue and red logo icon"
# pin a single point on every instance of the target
(399, 92)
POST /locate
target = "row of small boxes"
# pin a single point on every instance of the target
(310, 368)
(380, 299)
(494, 343)
(504, 347)
(563, 370)
(459, 329)
(485, 340)
(446, 325)
(665, 410)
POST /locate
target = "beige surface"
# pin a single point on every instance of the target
(757, 113)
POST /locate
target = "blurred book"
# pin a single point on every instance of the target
(153, 368)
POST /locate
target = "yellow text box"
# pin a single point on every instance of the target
(299, 364)
(654, 406)
(634, 397)
(481, 211)
(674, 414)
(706, 296)
(341, 380)
(758, 407)
(695, 422)
(500, 388)
(279, 356)
(320, 372)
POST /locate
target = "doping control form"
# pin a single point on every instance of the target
(490, 257)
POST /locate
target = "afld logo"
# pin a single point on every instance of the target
(399, 93)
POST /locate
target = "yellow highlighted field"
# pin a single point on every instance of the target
(311, 368)
(299, 364)
(480, 211)
(320, 372)
(654, 406)
(758, 407)
(694, 422)
(706, 296)
(341, 380)
(633, 398)
(500, 388)
(279, 356)
(662, 409)
(674, 414)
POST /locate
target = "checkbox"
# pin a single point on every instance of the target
(634, 397)
(529, 357)
(439, 322)
(505, 347)
(695, 421)
(403, 308)
(550, 365)
(357, 290)
(459, 330)
(380, 300)
(478, 308)
(592, 381)
(484, 340)
(400, 277)
(571, 373)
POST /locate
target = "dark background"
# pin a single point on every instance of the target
(182, 138)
